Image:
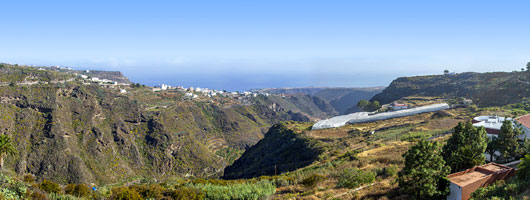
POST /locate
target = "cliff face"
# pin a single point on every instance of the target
(281, 150)
(340, 99)
(70, 132)
(486, 89)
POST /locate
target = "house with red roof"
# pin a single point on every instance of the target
(463, 183)
(524, 121)
(398, 106)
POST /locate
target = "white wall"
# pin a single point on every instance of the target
(455, 192)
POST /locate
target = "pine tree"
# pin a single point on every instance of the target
(424, 174)
(508, 143)
(466, 147)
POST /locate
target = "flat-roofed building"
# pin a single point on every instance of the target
(492, 124)
(463, 183)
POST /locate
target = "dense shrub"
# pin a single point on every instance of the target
(28, 178)
(153, 191)
(78, 190)
(258, 190)
(54, 196)
(312, 180)
(36, 195)
(125, 193)
(353, 178)
(185, 193)
(50, 186)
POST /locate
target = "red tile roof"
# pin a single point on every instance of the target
(524, 120)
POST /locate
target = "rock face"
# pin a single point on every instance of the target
(485, 89)
(75, 133)
(281, 150)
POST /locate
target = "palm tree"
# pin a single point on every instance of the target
(6, 147)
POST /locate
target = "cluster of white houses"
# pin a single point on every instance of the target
(193, 93)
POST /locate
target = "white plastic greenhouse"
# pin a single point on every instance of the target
(361, 117)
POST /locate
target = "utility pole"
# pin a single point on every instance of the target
(275, 170)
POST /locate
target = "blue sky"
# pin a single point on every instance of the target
(237, 45)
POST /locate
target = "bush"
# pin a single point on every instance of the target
(386, 172)
(54, 196)
(153, 191)
(28, 178)
(36, 195)
(258, 190)
(124, 193)
(50, 186)
(349, 155)
(78, 190)
(353, 178)
(312, 180)
(185, 193)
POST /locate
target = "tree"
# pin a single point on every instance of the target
(446, 71)
(424, 174)
(528, 66)
(363, 104)
(466, 147)
(375, 106)
(523, 169)
(492, 147)
(6, 148)
(508, 143)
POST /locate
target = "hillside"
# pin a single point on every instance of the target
(485, 89)
(274, 154)
(71, 130)
(341, 99)
(315, 160)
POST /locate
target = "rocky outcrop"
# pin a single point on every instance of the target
(281, 150)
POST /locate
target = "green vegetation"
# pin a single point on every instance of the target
(258, 190)
(6, 148)
(424, 174)
(368, 106)
(353, 178)
(508, 143)
(50, 186)
(465, 148)
(78, 190)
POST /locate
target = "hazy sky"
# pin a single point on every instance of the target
(237, 45)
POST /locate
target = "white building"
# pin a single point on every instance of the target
(164, 86)
(123, 91)
(492, 124)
